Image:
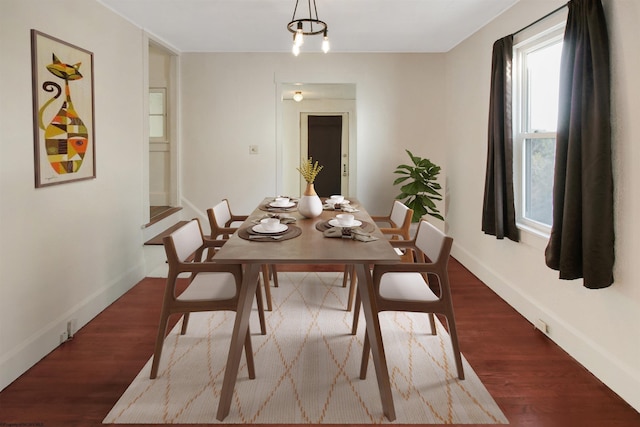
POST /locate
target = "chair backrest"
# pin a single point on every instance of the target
(433, 243)
(183, 242)
(219, 216)
(401, 217)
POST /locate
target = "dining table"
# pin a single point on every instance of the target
(305, 242)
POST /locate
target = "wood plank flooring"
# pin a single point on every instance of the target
(534, 382)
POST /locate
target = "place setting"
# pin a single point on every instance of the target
(338, 202)
(280, 204)
(270, 229)
(346, 226)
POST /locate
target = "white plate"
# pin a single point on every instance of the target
(276, 205)
(335, 223)
(279, 229)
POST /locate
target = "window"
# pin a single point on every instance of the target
(158, 115)
(536, 83)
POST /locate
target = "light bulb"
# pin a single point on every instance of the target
(325, 44)
(297, 96)
(298, 39)
(296, 49)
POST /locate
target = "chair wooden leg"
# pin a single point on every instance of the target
(356, 314)
(432, 323)
(453, 333)
(267, 287)
(248, 351)
(157, 352)
(345, 275)
(352, 288)
(260, 302)
(185, 323)
(274, 275)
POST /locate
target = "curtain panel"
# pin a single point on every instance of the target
(498, 210)
(581, 244)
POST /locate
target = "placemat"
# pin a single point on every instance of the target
(366, 226)
(292, 232)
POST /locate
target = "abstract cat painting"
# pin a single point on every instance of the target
(63, 113)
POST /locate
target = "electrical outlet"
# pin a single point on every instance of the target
(253, 149)
(63, 337)
(72, 326)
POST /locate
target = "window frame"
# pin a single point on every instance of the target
(165, 125)
(524, 45)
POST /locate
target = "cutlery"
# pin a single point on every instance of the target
(257, 236)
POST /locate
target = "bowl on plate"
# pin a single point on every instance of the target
(336, 199)
(270, 224)
(281, 201)
(345, 220)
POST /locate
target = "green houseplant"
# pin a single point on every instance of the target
(422, 189)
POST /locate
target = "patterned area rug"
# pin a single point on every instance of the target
(307, 368)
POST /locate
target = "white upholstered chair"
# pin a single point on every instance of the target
(211, 287)
(422, 286)
(221, 221)
(398, 224)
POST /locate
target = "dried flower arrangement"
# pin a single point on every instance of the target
(309, 170)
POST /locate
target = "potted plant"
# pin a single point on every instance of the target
(422, 190)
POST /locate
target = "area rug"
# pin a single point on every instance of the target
(307, 368)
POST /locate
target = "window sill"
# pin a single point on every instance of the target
(532, 237)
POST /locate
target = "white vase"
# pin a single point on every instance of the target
(310, 205)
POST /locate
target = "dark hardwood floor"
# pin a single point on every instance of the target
(534, 382)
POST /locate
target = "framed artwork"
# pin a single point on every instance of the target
(63, 111)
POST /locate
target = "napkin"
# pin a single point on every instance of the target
(349, 233)
(339, 207)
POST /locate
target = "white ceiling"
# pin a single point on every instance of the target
(354, 25)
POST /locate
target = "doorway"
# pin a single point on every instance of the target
(320, 99)
(162, 164)
(325, 138)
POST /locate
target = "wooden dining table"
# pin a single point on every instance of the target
(308, 247)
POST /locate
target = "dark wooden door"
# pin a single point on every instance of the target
(325, 146)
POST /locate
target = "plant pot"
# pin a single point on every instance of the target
(310, 205)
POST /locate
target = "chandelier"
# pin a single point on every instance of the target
(307, 26)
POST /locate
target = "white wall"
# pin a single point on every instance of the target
(599, 328)
(68, 250)
(229, 102)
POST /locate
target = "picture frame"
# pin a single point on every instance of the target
(63, 111)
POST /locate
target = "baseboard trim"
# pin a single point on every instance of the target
(37, 346)
(620, 378)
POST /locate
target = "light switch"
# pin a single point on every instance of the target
(253, 149)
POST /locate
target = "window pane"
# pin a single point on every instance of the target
(543, 72)
(539, 157)
(156, 103)
(156, 126)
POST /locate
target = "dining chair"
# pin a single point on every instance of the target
(421, 287)
(211, 286)
(398, 227)
(221, 222)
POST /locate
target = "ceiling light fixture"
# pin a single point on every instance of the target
(303, 26)
(297, 96)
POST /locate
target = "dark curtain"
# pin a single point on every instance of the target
(582, 236)
(498, 210)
